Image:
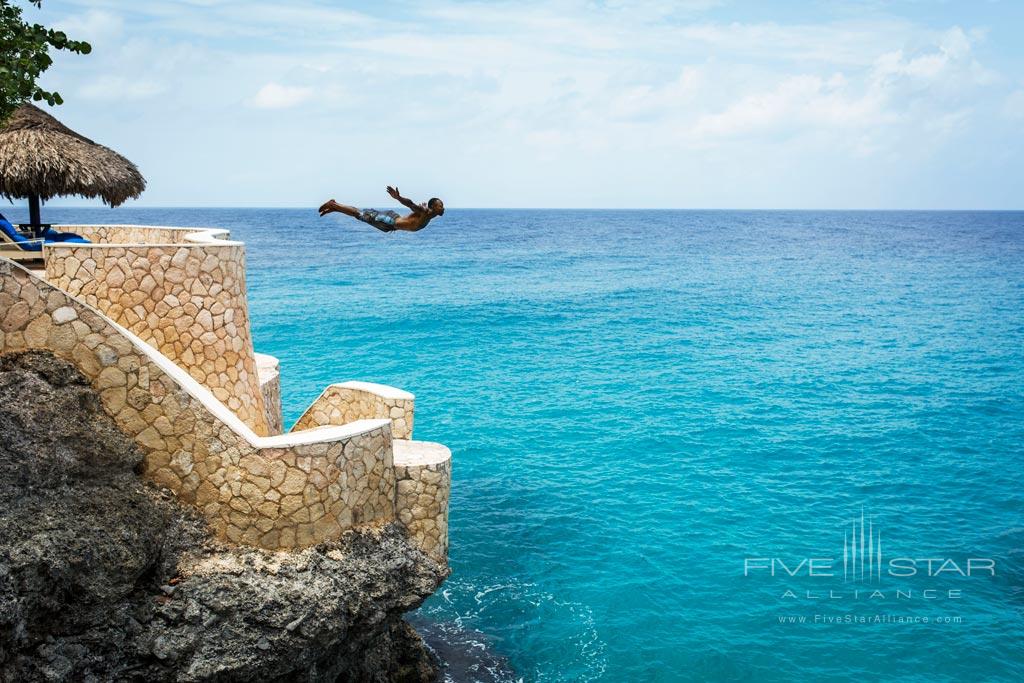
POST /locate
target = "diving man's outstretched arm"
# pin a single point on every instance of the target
(404, 201)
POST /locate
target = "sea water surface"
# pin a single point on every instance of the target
(646, 407)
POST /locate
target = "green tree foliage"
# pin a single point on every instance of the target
(25, 55)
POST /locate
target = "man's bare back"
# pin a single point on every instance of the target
(389, 221)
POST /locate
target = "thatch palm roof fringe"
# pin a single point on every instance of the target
(41, 156)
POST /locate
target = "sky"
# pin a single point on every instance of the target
(913, 104)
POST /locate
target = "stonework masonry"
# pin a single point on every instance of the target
(186, 300)
(137, 311)
(349, 401)
(424, 474)
(284, 497)
(268, 369)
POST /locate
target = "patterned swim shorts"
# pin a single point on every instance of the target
(384, 220)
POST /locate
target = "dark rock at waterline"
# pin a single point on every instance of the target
(103, 577)
(465, 655)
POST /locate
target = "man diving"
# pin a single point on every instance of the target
(389, 221)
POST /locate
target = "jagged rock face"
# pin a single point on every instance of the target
(103, 577)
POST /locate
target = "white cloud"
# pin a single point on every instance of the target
(899, 90)
(951, 60)
(277, 96)
(796, 103)
(97, 27)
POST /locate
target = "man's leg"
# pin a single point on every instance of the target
(331, 206)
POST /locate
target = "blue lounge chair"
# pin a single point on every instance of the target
(21, 248)
(10, 235)
(51, 235)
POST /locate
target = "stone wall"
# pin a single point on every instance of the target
(349, 401)
(268, 369)
(186, 300)
(280, 492)
(143, 234)
(424, 473)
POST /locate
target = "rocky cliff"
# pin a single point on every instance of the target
(104, 577)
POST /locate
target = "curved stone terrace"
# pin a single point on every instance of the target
(157, 319)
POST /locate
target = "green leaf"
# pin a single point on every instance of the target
(25, 55)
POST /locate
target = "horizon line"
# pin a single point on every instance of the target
(545, 208)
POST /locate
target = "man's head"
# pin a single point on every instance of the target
(436, 206)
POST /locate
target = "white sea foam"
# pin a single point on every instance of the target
(461, 607)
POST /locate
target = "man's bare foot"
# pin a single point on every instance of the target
(328, 207)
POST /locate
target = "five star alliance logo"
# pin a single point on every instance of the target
(862, 561)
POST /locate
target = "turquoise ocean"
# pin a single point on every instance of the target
(651, 410)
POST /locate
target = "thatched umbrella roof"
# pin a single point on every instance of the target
(41, 157)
